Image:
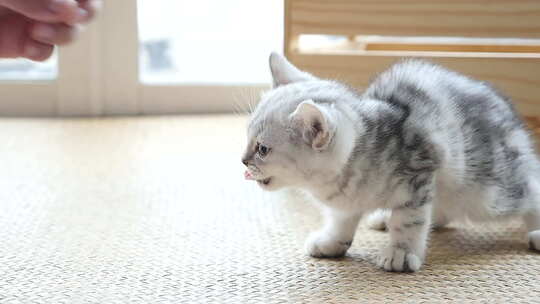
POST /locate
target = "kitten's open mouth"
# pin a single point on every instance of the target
(264, 181)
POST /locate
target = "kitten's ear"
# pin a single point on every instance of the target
(316, 124)
(283, 72)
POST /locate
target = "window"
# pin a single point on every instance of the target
(208, 41)
(207, 55)
(22, 69)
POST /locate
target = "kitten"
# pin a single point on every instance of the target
(426, 144)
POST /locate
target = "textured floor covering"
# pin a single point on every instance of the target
(154, 210)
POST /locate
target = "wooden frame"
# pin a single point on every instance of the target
(511, 65)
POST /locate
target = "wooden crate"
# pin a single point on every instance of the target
(508, 55)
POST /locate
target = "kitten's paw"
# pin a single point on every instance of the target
(377, 220)
(322, 245)
(534, 240)
(400, 260)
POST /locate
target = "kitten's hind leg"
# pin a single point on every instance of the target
(378, 219)
(532, 216)
(532, 222)
(440, 220)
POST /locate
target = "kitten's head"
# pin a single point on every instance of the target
(292, 132)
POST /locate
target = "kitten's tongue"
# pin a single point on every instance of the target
(248, 176)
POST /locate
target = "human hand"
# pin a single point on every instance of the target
(31, 28)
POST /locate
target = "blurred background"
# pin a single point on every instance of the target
(195, 57)
(188, 47)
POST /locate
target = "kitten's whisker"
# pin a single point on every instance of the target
(244, 100)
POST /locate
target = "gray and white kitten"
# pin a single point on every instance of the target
(425, 144)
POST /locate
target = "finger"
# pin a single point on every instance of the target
(37, 51)
(15, 41)
(69, 11)
(56, 34)
(54, 11)
(92, 7)
(4, 11)
(13, 34)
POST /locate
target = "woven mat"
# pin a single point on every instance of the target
(154, 210)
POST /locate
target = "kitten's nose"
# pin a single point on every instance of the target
(245, 162)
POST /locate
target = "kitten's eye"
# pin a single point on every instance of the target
(262, 150)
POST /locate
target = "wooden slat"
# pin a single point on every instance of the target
(518, 78)
(534, 125)
(451, 45)
(462, 18)
(289, 40)
(423, 45)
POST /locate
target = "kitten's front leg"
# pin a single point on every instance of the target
(408, 227)
(335, 238)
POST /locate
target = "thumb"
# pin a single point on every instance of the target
(52, 11)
